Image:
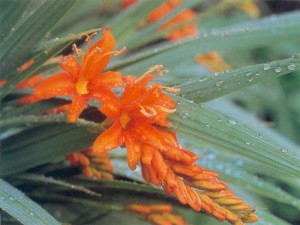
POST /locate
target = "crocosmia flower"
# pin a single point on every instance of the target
(83, 80)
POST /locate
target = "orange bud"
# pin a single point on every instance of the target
(209, 185)
(219, 214)
(139, 208)
(87, 172)
(229, 201)
(220, 194)
(176, 220)
(251, 218)
(161, 208)
(83, 160)
(158, 219)
(239, 207)
(207, 204)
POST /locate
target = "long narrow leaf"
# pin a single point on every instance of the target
(218, 130)
(22, 208)
(220, 84)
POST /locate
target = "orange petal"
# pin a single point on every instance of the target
(98, 56)
(109, 79)
(31, 82)
(133, 151)
(147, 154)
(59, 84)
(76, 107)
(109, 139)
(160, 164)
(71, 66)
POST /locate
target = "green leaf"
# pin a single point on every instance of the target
(215, 129)
(220, 84)
(9, 11)
(22, 208)
(256, 34)
(42, 144)
(17, 45)
(41, 54)
(237, 175)
(50, 180)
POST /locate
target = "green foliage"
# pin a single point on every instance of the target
(243, 123)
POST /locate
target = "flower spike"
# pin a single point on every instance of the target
(139, 120)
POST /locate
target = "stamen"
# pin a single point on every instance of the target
(89, 38)
(159, 72)
(120, 52)
(170, 89)
(148, 114)
(166, 109)
(76, 50)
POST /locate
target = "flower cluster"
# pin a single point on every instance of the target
(157, 214)
(138, 119)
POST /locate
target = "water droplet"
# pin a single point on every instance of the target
(12, 29)
(284, 149)
(220, 120)
(239, 162)
(12, 199)
(250, 79)
(211, 156)
(219, 83)
(291, 66)
(248, 74)
(278, 69)
(257, 74)
(207, 125)
(247, 142)
(232, 122)
(267, 66)
(48, 34)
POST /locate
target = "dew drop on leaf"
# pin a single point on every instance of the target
(278, 69)
(284, 150)
(232, 122)
(267, 66)
(291, 66)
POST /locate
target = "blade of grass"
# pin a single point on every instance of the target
(220, 84)
(215, 129)
(17, 45)
(22, 208)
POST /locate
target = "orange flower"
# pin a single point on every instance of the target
(92, 165)
(139, 120)
(84, 81)
(139, 117)
(187, 30)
